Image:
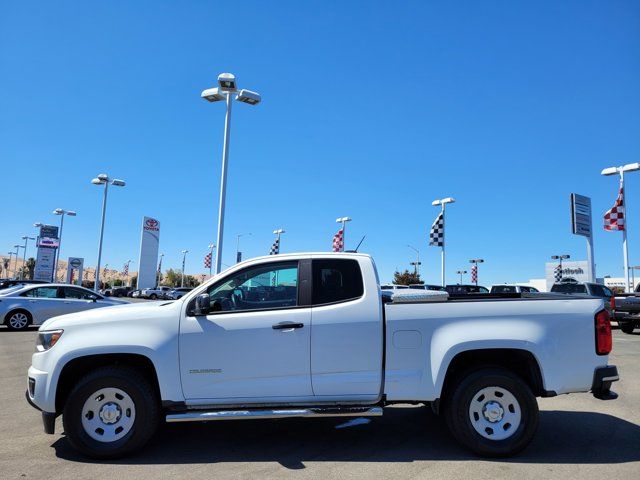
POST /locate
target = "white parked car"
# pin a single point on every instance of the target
(311, 335)
(33, 304)
(506, 288)
(156, 293)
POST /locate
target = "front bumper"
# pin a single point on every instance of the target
(603, 377)
(37, 397)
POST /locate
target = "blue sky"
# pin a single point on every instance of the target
(370, 109)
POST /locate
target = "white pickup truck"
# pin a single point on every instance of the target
(311, 335)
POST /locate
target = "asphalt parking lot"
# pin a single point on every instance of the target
(578, 437)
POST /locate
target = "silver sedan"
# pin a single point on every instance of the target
(33, 304)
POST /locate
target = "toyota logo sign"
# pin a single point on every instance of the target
(151, 224)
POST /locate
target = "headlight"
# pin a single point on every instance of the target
(47, 339)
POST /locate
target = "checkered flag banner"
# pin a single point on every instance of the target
(557, 274)
(338, 241)
(275, 248)
(614, 218)
(436, 235)
(207, 260)
(474, 274)
(125, 269)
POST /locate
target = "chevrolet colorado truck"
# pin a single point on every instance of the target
(627, 310)
(312, 335)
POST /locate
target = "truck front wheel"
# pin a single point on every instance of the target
(492, 412)
(111, 412)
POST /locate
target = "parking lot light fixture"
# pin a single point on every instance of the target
(560, 258)
(417, 263)
(461, 273)
(226, 90)
(61, 212)
(238, 255)
(442, 202)
(15, 260)
(475, 262)
(184, 259)
(103, 179)
(26, 239)
(629, 167)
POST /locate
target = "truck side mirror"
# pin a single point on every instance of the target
(203, 304)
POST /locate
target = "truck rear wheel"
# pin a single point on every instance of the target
(492, 412)
(111, 412)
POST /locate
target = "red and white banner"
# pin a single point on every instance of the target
(614, 218)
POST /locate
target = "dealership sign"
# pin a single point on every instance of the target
(578, 271)
(48, 244)
(149, 245)
(75, 264)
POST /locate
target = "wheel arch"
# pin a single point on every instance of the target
(521, 362)
(12, 310)
(77, 367)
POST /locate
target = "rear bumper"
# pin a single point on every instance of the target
(603, 377)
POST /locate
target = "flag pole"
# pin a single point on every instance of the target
(625, 250)
(443, 244)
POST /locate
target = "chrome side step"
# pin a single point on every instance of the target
(208, 416)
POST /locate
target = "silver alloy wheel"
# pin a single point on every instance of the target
(18, 320)
(495, 413)
(108, 415)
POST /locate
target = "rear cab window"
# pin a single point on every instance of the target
(336, 280)
(569, 288)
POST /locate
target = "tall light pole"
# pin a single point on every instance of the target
(443, 202)
(26, 239)
(62, 213)
(630, 167)
(343, 221)
(15, 260)
(278, 233)
(417, 263)
(475, 262)
(238, 255)
(226, 90)
(103, 179)
(184, 259)
(11, 254)
(461, 273)
(159, 271)
(560, 258)
(211, 247)
(127, 263)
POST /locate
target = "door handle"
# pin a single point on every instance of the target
(286, 325)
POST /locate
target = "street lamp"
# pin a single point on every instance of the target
(211, 247)
(226, 90)
(238, 254)
(103, 179)
(417, 263)
(184, 259)
(475, 262)
(127, 263)
(443, 202)
(630, 167)
(26, 239)
(15, 260)
(11, 254)
(461, 273)
(62, 213)
(159, 272)
(278, 233)
(560, 258)
(343, 221)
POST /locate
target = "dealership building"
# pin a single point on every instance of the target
(574, 270)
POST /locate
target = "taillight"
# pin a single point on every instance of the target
(604, 342)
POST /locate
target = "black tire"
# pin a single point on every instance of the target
(458, 414)
(8, 316)
(153, 296)
(147, 412)
(628, 327)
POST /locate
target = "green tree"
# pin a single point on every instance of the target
(406, 278)
(26, 271)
